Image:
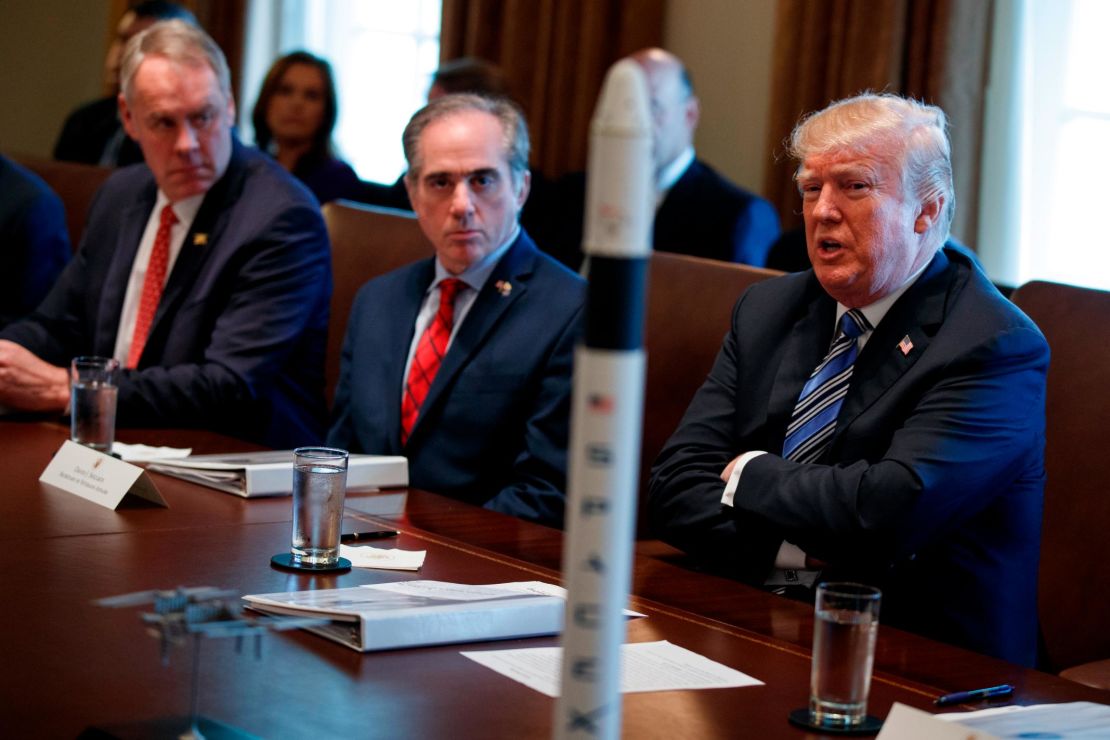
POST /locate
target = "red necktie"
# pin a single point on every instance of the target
(429, 355)
(152, 285)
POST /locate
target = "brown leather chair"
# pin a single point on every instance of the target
(74, 183)
(1075, 559)
(365, 242)
(689, 310)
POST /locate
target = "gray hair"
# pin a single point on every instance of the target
(179, 42)
(916, 131)
(513, 127)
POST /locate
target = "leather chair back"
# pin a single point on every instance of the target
(1075, 560)
(365, 242)
(74, 183)
(689, 311)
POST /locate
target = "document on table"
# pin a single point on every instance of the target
(550, 589)
(367, 556)
(1073, 720)
(645, 666)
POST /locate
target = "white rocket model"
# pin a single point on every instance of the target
(607, 408)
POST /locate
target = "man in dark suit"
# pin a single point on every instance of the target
(34, 241)
(903, 449)
(93, 133)
(462, 363)
(206, 272)
(698, 212)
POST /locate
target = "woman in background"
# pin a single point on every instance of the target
(293, 122)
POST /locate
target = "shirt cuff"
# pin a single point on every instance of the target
(790, 557)
(734, 479)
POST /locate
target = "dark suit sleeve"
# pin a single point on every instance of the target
(342, 434)
(282, 285)
(59, 329)
(39, 245)
(963, 443)
(962, 435)
(538, 486)
(756, 230)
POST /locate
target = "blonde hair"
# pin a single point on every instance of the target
(915, 133)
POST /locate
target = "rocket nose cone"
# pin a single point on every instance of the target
(623, 103)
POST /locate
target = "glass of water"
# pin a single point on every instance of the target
(319, 486)
(845, 625)
(93, 390)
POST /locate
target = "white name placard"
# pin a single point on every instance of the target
(97, 477)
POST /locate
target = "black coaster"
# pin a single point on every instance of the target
(285, 560)
(870, 725)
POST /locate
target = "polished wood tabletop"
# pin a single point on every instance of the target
(69, 664)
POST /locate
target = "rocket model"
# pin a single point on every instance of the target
(607, 408)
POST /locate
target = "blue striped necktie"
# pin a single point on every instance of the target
(814, 418)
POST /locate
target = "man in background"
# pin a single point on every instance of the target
(880, 417)
(462, 363)
(93, 133)
(463, 75)
(206, 272)
(698, 212)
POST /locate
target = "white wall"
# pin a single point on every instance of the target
(52, 59)
(726, 45)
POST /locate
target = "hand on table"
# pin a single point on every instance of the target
(30, 384)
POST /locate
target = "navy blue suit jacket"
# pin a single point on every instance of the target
(705, 215)
(34, 241)
(493, 428)
(932, 485)
(238, 341)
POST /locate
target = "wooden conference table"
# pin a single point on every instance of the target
(68, 664)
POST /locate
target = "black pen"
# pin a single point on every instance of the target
(376, 534)
(960, 697)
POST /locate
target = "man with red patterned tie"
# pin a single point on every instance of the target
(205, 271)
(462, 363)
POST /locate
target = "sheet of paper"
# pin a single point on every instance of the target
(550, 589)
(145, 453)
(444, 590)
(1078, 720)
(645, 666)
(367, 556)
(909, 723)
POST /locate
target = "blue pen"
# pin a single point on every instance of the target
(960, 697)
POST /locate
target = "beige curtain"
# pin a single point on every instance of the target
(933, 50)
(554, 54)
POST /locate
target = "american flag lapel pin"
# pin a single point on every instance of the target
(504, 287)
(905, 345)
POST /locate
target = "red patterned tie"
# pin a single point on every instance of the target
(152, 285)
(429, 355)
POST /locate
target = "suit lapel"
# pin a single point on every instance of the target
(915, 317)
(132, 223)
(672, 216)
(489, 306)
